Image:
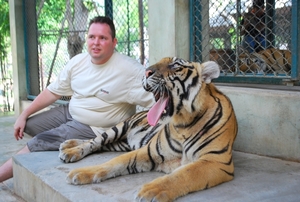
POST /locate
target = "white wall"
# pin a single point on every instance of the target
(18, 52)
(168, 29)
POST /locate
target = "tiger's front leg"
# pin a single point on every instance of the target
(114, 139)
(132, 162)
(188, 178)
(74, 149)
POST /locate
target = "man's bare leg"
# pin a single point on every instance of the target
(6, 170)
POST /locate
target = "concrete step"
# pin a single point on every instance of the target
(7, 193)
(41, 177)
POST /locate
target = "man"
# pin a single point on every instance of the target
(105, 87)
(253, 28)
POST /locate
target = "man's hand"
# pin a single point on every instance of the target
(19, 127)
(44, 99)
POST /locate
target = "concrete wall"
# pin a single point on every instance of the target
(269, 120)
(168, 29)
(18, 52)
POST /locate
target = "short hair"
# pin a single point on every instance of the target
(258, 4)
(104, 20)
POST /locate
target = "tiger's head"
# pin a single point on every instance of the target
(176, 84)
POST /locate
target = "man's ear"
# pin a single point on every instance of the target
(115, 41)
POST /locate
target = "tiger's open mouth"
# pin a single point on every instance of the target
(161, 96)
(156, 85)
(157, 110)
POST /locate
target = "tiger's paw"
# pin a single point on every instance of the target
(71, 150)
(71, 143)
(87, 175)
(154, 192)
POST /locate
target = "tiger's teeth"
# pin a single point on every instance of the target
(165, 111)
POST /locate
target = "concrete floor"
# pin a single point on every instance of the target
(257, 178)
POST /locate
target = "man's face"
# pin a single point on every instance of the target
(100, 43)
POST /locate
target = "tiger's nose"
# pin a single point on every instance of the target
(148, 73)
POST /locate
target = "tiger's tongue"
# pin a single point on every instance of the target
(156, 110)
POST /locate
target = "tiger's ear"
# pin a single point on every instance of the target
(210, 70)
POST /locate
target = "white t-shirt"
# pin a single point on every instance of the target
(102, 95)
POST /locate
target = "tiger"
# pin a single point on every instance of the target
(271, 60)
(224, 57)
(188, 134)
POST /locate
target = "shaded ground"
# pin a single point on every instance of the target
(9, 146)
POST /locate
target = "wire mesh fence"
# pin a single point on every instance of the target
(6, 96)
(61, 27)
(246, 38)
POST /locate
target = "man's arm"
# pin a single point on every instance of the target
(43, 100)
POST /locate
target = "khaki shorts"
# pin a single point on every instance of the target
(50, 128)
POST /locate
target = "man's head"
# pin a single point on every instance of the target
(259, 4)
(101, 39)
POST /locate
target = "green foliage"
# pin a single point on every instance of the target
(217, 43)
(233, 37)
(50, 18)
(5, 69)
(4, 29)
(127, 25)
(51, 15)
(4, 18)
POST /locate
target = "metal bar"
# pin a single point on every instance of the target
(32, 97)
(252, 80)
(108, 8)
(26, 49)
(269, 21)
(141, 32)
(238, 24)
(295, 40)
(128, 28)
(205, 29)
(191, 2)
(197, 34)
